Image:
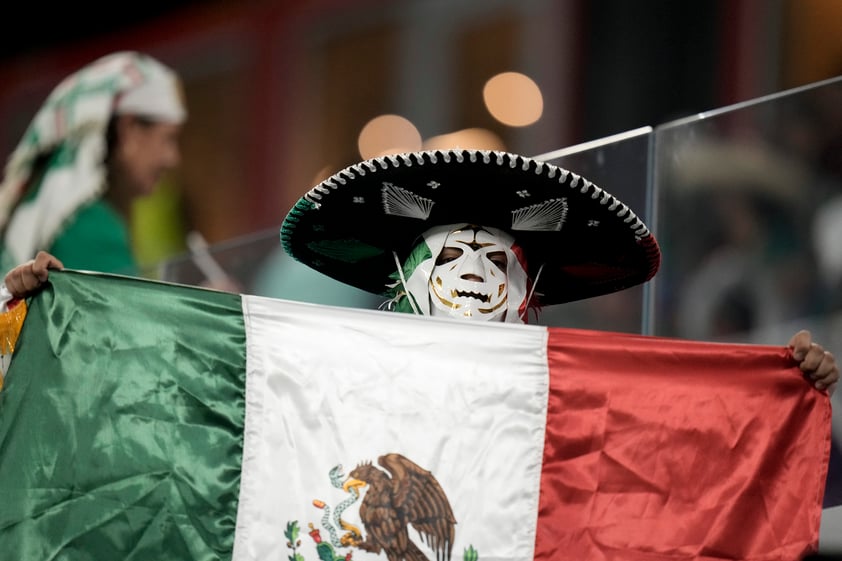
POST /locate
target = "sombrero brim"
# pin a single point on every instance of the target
(589, 242)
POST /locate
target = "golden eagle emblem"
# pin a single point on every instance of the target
(403, 496)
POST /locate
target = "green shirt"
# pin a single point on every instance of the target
(96, 239)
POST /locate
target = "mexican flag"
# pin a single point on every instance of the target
(143, 420)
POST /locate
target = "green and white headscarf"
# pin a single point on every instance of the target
(71, 126)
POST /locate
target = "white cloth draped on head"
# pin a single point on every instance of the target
(419, 266)
(73, 122)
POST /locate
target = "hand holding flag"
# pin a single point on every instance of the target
(817, 364)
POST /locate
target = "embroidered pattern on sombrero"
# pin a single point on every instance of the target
(398, 201)
(548, 216)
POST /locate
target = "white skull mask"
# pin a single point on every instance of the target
(469, 279)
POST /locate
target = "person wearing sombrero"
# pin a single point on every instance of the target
(556, 237)
(479, 235)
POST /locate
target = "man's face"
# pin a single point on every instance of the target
(469, 279)
(145, 151)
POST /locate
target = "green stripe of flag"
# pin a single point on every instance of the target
(136, 466)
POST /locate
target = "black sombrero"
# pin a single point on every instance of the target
(589, 242)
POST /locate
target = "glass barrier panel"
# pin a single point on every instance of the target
(748, 205)
(618, 164)
(257, 264)
(749, 218)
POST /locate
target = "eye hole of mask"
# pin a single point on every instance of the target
(448, 254)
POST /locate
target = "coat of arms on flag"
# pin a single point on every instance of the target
(400, 496)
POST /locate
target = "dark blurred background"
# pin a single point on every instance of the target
(279, 91)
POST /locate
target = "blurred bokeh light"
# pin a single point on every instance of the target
(388, 134)
(514, 99)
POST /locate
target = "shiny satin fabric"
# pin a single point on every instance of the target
(667, 449)
(463, 401)
(121, 423)
(122, 431)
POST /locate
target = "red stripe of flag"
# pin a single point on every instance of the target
(667, 449)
